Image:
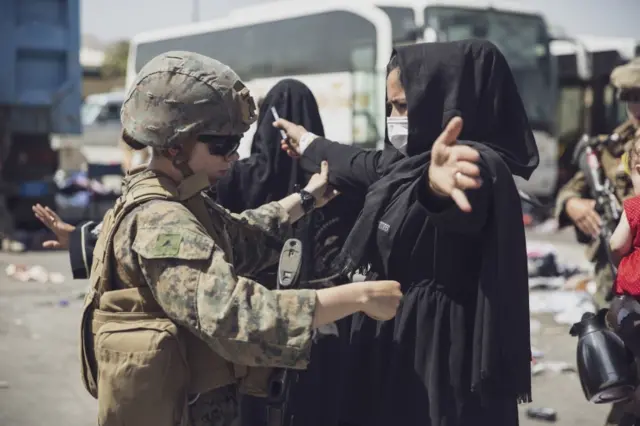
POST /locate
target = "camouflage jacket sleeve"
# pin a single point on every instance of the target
(256, 236)
(198, 288)
(575, 188)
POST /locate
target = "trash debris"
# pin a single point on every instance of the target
(546, 414)
(556, 302)
(543, 262)
(538, 368)
(4, 385)
(63, 303)
(536, 353)
(38, 274)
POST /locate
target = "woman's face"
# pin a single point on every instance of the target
(395, 94)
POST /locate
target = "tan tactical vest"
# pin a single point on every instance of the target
(139, 364)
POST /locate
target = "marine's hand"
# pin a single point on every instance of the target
(582, 213)
(294, 133)
(51, 220)
(319, 187)
(453, 169)
(381, 299)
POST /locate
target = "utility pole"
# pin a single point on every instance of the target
(195, 10)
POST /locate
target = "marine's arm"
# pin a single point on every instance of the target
(242, 320)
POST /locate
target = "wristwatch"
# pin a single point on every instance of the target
(308, 201)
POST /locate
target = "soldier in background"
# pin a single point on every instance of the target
(574, 205)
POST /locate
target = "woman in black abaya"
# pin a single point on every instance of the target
(442, 216)
(270, 174)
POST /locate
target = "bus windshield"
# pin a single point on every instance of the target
(524, 41)
(402, 23)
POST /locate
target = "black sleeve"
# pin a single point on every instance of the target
(351, 169)
(81, 244)
(445, 213)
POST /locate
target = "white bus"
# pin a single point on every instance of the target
(340, 50)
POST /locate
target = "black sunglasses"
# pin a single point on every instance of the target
(222, 145)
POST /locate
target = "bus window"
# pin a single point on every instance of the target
(524, 41)
(403, 24)
(313, 44)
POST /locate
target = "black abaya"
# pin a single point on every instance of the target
(268, 175)
(458, 352)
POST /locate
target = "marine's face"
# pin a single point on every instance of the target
(395, 94)
(214, 156)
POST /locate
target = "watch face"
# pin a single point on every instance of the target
(308, 202)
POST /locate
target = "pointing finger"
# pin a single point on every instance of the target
(450, 133)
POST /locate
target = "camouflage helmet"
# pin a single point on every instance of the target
(179, 95)
(626, 78)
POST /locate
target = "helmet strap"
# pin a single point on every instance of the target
(181, 160)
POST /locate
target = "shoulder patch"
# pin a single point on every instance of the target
(167, 245)
(173, 244)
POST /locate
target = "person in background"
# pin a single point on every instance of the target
(625, 240)
(574, 205)
(443, 218)
(270, 174)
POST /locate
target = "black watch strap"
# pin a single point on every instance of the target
(308, 201)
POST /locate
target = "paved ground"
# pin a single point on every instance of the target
(39, 352)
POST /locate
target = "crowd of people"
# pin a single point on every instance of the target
(184, 310)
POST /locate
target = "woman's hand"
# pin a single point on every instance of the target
(453, 167)
(51, 220)
(294, 134)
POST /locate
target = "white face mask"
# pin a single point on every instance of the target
(398, 132)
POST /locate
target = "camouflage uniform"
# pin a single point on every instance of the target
(577, 188)
(198, 280)
(162, 242)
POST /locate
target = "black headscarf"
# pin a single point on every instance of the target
(469, 79)
(269, 174)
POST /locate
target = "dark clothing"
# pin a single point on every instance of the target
(82, 241)
(269, 174)
(458, 351)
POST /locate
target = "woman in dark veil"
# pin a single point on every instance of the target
(269, 174)
(442, 216)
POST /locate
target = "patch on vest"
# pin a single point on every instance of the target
(167, 245)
